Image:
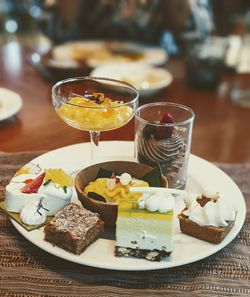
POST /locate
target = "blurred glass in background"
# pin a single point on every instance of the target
(20, 21)
(240, 93)
(20, 16)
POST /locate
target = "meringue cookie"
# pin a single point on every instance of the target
(33, 213)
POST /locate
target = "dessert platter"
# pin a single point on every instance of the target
(100, 250)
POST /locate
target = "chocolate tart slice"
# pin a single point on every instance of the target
(208, 233)
(211, 234)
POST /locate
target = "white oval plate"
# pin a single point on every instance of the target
(187, 249)
(147, 79)
(10, 103)
(94, 52)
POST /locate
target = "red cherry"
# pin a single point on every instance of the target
(167, 118)
(165, 132)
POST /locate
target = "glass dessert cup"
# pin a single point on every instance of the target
(163, 133)
(94, 104)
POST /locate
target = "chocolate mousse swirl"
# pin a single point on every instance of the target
(151, 150)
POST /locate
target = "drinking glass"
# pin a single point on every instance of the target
(163, 136)
(240, 93)
(94, 104)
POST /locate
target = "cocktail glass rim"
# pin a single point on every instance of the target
(175, 123)
(82, 78)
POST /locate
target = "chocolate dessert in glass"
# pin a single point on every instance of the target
(163, 135)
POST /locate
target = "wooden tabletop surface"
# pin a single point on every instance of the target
(221, 129)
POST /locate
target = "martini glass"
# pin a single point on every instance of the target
(94, 104)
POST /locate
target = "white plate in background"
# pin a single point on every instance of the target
(78, 54)
(149, 80)
(10, 103)
(187, 249)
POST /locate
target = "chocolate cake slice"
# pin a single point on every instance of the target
(74, 228)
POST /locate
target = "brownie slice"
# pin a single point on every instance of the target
(208, 233)
(74, 228)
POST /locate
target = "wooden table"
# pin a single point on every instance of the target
(221, 130)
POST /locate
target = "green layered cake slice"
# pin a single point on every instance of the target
(144, 229)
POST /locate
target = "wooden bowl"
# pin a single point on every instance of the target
(107, 211)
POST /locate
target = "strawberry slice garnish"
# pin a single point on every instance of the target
(33, 185)
(27, 181)
(165, 132)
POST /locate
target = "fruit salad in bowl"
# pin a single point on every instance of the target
(101, 187)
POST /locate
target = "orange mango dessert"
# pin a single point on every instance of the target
(95, 112)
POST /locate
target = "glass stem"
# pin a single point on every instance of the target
(94, 139)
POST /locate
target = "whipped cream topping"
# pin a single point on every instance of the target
(210, 194)
(214, 213)
(33, 213)
(55, 191)
(30, 168)
(20, 179)
(125, 179)
(160, 201)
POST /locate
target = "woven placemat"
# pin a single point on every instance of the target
(26, 270)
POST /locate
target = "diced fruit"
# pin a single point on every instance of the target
(29, 168)
(29, 180)
(106, 113)
(165, 132)
(33, 185)
(111, 183)
(23, 170)
(59, 176)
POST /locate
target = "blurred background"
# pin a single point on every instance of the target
(207, 33)
(148, 21)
